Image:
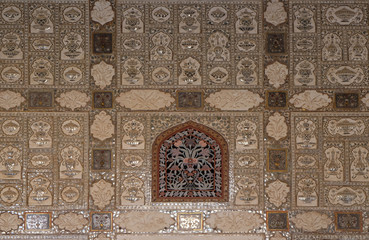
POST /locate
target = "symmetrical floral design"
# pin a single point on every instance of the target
(312, 221)
(71, 221)
(147, 221)
(310, 100)
(102, 12)
(235, 221)
(10, 99)
(101, 193)
(102, 127)
(275, 13)
(145, 99)
(73, 99)
(277, 192)
(234, 100)
(276, 73)
(103, 74)
(277, 127)
(190, 163)
(9, 221)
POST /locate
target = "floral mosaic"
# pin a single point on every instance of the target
(147, 120)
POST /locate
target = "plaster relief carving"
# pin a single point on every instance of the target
(10, 166)
(275, 13)
(247, 193)
(346, 127)
(359, 170)
(358, 50)
(10, 99)
(145, 99)
(11, 14)
(72, 49)
(102, 12)
(276, 73)
(132, 73)
(277, 127)
(73, 99)
(11, 47)
(277, 192)
(41, 135)
(189, 22)
(70, 166)
(246, 22)
(332, 50)
(102, 193)
(146, 221)
(70, 127)
(70, 194)
(246, 135)
(307, 195)
(310, 100)
(9, 195)
(346, 196)
(234, 221)
(217, 14)
(103, 74)
(190, 72)
(11, 74)
(40, 194)
(333, 167)
(132, 22)
(218, 51)
(41, 22)
(304, 20)
(345, 75)
(306, 137)
(344, 15)
(311, 221)
(71, 221)
(102, 127)
(161, 14)
(41, 74)
(234, 100)
(247, 72)
(9, 222)
(133, 135)
(305, 75)
(132, 191)
(161, 50)
(365, 100)
(10, 127)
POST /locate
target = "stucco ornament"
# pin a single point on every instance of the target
(311, 221)
(277, 127)
(9, 222)
(103, 74)
(145, 99)
(277, 192)
(144, 221)
(365, 100)
(275, 13)
(102, 12)
(71, 221)
(310, 100)
(236, 100)
(10, 99)
(101, 193)
(278, 236)
(276, 73)
(73, 99)
(102, 128)
(232, 221)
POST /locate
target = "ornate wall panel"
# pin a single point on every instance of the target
(133, 119)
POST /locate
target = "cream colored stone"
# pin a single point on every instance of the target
(9, 221)
(277, 192)
(235, 222)
(346, 196)
(102, 12)
(310, 100)
(71, 221)
(102, 193)
(275, 13)
(278, 236)
(365, 100)
(234, 100)
(103, 74)
(311, 221)
(144, 221)
(145, 99)
(276, 73)
(102, 127)
(277, 127)
(73, 99)
(10, 99)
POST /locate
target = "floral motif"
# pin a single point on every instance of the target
(275, 13)
(365, 100)
(9, 99)
(101, 193)
(312, 221)
(103, 74)
(73, 99)
(71, 221)
(102, 12)
(9, 222)
(236, 100)
(146, 221)
(276, 73)
(277, 127)
(145, 99)
(233, 221)
(102, 128)
(277, 192)
(310, 100)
